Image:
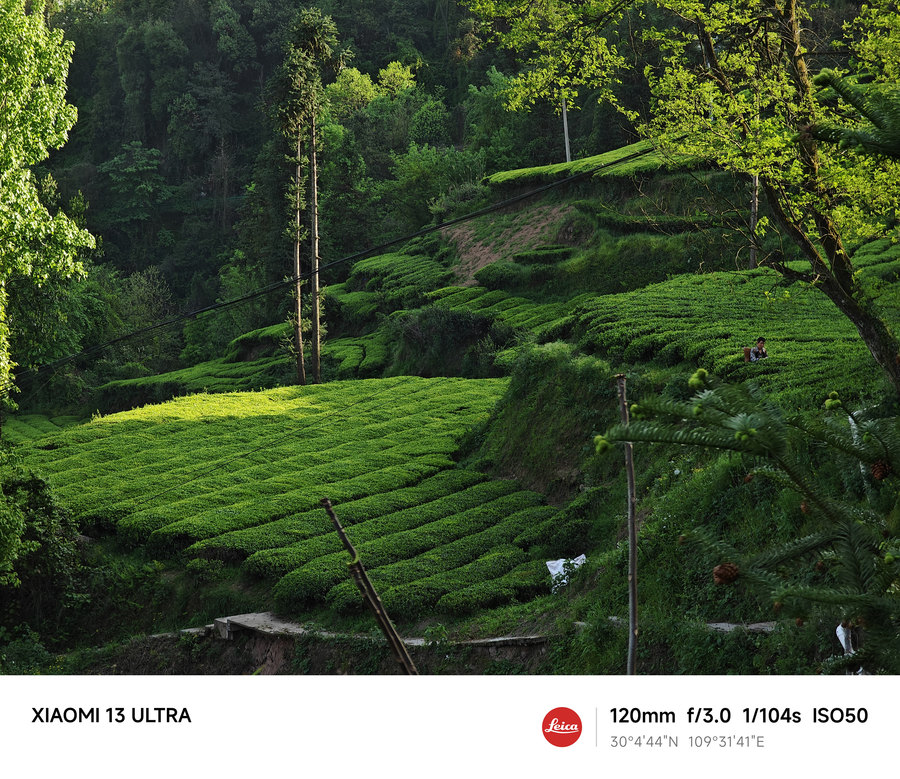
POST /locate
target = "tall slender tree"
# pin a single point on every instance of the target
(311, 53)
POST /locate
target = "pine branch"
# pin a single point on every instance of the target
(800, 547)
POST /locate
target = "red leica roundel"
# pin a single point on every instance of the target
(561, 727)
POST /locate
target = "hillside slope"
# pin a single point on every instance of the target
(456, 490)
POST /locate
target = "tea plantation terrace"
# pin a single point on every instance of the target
(237, 477)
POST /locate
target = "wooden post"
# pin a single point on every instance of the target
(632, 535)
(371, 596)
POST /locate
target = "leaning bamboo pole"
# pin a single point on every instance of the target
(371, 596)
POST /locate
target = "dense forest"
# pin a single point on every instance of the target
(178, 163)
(458, 227)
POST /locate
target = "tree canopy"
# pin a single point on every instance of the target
(733, 85)
(34, 118)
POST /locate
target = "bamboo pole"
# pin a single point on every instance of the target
(371, 596)
(632, 535)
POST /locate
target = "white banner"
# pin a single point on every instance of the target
(442, 726)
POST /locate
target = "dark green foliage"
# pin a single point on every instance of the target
(555, 401)
(842, 562)
(544, 255)
(39, 560)
(504, 275)
(520, 584)
(880, 107)
(436, 341)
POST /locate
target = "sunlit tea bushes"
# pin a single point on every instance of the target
(25, 427)
(240, 476)
(284, 535)
(611, 163)
(317, 577)
(705, 319)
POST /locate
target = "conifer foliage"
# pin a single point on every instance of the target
(847, 565)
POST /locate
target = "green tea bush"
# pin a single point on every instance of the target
(400, 280)
(504, 275)
(25, 427)
(341, 439)
(449, 557)
(436, 341)
(544, 255)
(522, 583)
(419, 596)
(314, 579)
(648, 162)
(288, 532)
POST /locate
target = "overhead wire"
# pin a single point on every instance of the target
(306, 275)
(219, 464)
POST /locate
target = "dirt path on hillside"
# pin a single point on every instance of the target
(536, 226)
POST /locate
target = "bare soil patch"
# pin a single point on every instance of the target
(536, 226)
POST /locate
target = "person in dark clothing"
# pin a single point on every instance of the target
(759, 352)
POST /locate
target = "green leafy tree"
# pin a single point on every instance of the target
(491, 126)
(232, 38)
(395, 78)
(734, 87)
(152, 68)
(34, 118)
(421, 176)
(348, 93)
(847, 566)
(137, 190)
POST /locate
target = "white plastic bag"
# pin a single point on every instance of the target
(560, 570)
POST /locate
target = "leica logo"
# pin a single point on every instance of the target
(561, 727)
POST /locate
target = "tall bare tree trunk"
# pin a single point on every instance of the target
(314, 272)
(632, 534)
(754, 217)
(298, 308)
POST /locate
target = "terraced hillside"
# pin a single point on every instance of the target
(239, 477)
(633, 266)
(25, 427)
(578, 286)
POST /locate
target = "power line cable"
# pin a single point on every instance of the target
(268, 289)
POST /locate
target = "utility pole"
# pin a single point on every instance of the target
(565, 118)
